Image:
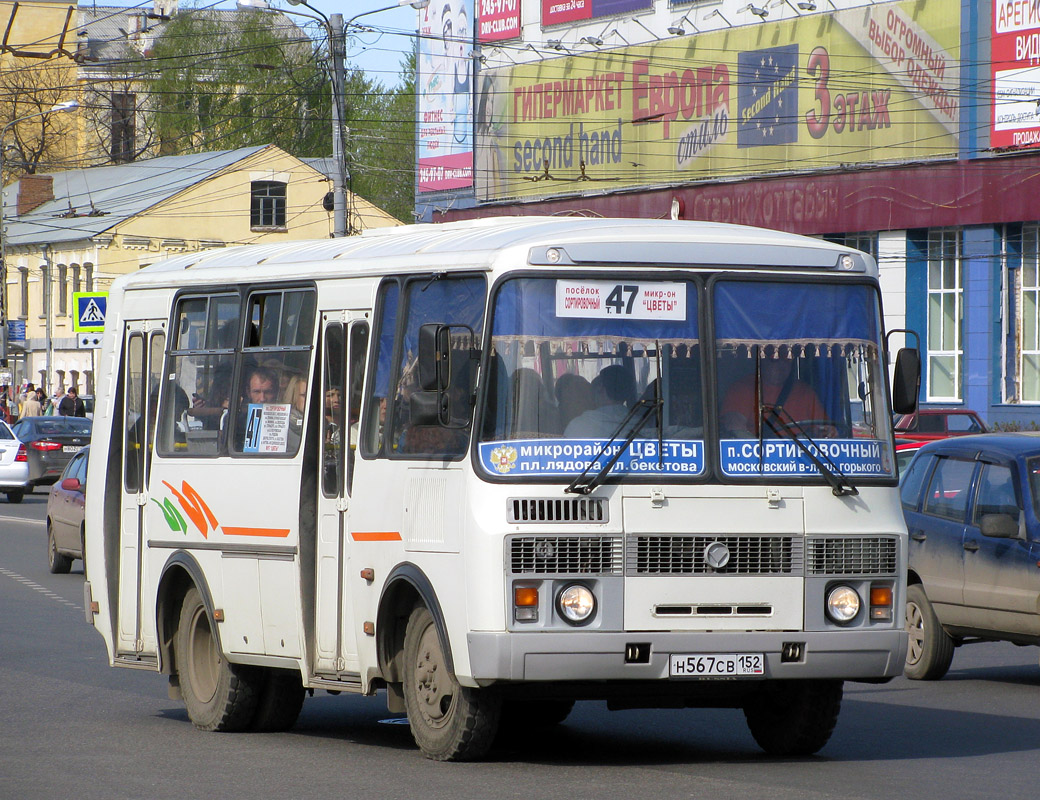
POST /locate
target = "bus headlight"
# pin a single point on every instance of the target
(576, 603)
(842, 604)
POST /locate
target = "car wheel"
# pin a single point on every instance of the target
(449, 722)
(15, 496)
(930, 649)
(795, 717)
(280, 701)
(59, 564)
(219, 695)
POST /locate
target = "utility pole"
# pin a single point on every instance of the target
(342, 224)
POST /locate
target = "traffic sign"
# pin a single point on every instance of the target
(88, 341)
(90, 308)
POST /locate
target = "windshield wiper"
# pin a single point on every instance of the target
(582, 486)
(839, 482)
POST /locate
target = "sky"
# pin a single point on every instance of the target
(378, 53)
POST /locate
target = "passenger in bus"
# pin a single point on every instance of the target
(791, 397)
(262, 386)
(295, 395)
(573, 396)
(614, 392)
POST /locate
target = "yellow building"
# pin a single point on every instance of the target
(77, 230)
(37, 71)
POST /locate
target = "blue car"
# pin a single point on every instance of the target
(971, 509)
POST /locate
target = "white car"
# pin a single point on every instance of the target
(14, 465)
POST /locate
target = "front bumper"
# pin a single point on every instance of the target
(600, 656)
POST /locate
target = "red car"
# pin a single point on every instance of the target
(65, 506)
(929, 424)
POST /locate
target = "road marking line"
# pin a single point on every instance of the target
(27, 521)
(41, 589)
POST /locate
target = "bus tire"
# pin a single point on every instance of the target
(929, 652)
(219, 695)
(795, 717)
(57, 563)
(449, 722)
(280, 701)
(531, 714)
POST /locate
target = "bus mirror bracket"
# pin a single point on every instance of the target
(906, 384)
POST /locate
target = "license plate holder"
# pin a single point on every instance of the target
(716, 665)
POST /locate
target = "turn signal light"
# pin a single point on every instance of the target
(525, 596)
(881, 602)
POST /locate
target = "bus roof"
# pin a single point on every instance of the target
(543, 241)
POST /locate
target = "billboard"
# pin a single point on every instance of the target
(499, 20)
(556, 12)
(1015, 70)
(445, 87)
(878, 83)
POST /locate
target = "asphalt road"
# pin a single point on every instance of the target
(72, 727)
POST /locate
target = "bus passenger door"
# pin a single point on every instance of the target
(143, 346)
(344, 351)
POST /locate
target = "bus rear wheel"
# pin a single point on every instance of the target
(449, 722)
(280, 701)
(795, 717)
(219, 696)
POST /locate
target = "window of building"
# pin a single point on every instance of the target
(1029, 316)
(23, 286)
(267, 205)
(121, 127)
(63, 289)
(945, 315)
(866, 242)
(76, 283)
(88, 273)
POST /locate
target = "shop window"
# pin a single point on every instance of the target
(945, 315)
(267, 204)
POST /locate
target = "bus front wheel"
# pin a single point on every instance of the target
(794, 717)
(449, 722)
(219, 696)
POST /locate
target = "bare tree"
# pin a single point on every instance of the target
(44, 142)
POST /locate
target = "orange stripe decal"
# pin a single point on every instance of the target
(276, 533)
(376, 536)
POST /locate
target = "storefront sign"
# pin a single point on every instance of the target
(499, 20)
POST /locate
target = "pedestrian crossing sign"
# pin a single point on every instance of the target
(90, 308)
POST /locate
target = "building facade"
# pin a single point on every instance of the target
(76, 231)
(907, 129)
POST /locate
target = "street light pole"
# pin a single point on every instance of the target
(68, 105)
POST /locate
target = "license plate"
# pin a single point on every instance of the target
(693, 665)
(72, 448)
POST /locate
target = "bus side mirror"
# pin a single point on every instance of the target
(434, 357)
(907, 381)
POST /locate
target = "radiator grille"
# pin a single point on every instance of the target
(685, 555)
(853, 555)
(566, 555)
(556, 509)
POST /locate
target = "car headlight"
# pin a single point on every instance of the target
(842, 604)
(576, 603)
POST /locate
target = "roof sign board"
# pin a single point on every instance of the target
(90, 308)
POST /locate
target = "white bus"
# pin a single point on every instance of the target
(499, 466)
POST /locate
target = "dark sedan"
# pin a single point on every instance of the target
(972, 509)
(50, 443)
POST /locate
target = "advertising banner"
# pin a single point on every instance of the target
(445, 86)
(499, 20)
(877, 83)
(556, 12)
(1015, 66)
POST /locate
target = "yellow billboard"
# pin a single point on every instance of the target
(878, 83)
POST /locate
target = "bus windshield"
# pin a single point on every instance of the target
(578, 366)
